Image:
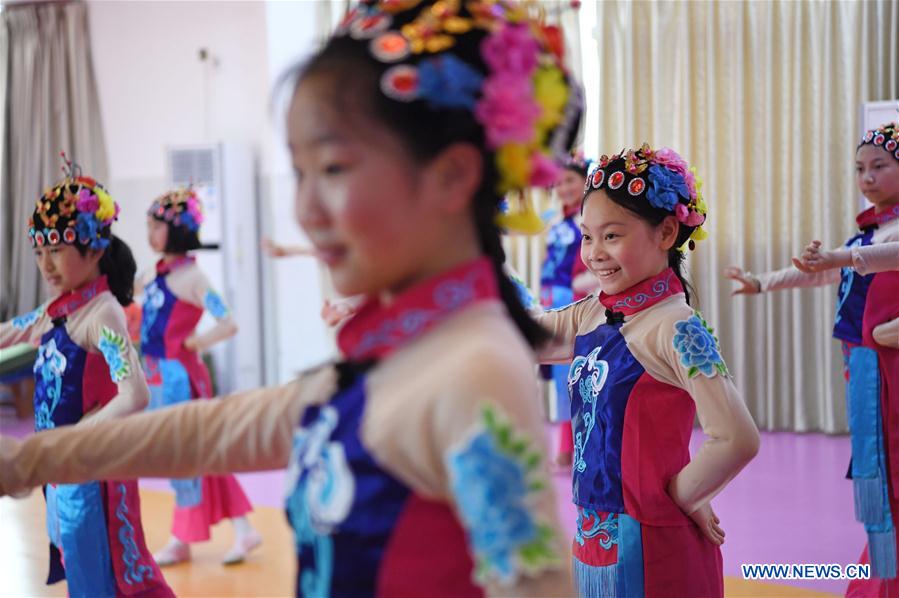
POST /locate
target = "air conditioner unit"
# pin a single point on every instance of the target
(224, 176)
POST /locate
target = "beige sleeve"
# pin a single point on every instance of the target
(481, 428)
(732, 439)
(26, 328)
(875, 258)
(564, 324)
(791, 278)
(107, 334)
(248, 431)
(190, 284)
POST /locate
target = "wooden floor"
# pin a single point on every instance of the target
(268, 572)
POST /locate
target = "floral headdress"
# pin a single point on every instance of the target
(180, 207)
(76, 210)
(885, 136)
(577, 162)
(662, 178)
(491, 58)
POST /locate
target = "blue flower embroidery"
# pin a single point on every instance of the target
(51, 365)
(114, 347)
(447, 82)
(25, 320)
(666, 187)
(698, 347)
(214, 303)
(490, 482)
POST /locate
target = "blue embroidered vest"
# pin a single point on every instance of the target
(563, 246)
(853, 290)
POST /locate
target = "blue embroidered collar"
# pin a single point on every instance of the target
(69, 302)
(376, 330)
(644, 294)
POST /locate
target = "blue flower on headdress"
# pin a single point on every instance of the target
(188, 221)
(447, 82)
(666, 188)
(88, 229)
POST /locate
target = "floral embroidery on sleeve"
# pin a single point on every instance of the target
(114, 348)
(215, 305)
(493, 474)
(25, 320)
(698, 347)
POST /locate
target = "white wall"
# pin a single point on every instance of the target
(155, 92)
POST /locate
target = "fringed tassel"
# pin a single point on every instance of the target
(596, 582)
(868, 500)
(882, 551)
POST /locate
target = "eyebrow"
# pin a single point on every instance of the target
(606, 225)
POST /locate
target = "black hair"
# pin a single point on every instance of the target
(654, 217)
(119, 267)
(355, 77)
(180, 239)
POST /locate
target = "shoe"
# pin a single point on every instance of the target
(174, 552)
(242, 547)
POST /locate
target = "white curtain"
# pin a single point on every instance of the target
(51, 106)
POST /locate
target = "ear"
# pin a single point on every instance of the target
(667, 232)
(94, 255)
(452, 178)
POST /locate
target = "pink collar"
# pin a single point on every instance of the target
(376, 330)
(68, 303)
(644, 294)
(164, 267)
(868, 218)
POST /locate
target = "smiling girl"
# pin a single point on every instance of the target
(643, 365)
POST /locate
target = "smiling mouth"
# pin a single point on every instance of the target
(606, 272)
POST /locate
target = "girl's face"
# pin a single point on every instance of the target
(620, 248)
(570, 188)
(157, 234)
(65, 269)
(367, 207)
(877, 174)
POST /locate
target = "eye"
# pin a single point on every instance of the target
(610, 236)
(334, 169)
(587, 238)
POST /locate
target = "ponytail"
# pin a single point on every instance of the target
(491, 243)
(119, 267)
(676, 262)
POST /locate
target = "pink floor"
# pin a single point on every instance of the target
(791, 504)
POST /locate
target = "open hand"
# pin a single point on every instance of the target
(814, 259)
(709, 524)
(749, 284)
(334, 313)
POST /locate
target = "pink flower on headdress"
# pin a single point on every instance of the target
(193, 208)
(545, 172)
(695, 219)
(511, 50)
(87, 201)
(682, 213)
(690, 180)
(671, 160)
(507, 110)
